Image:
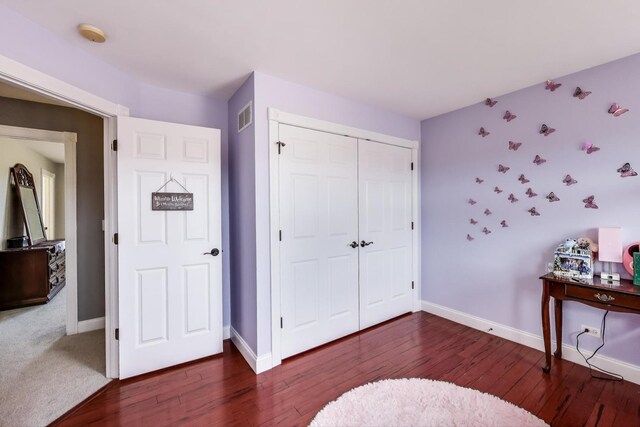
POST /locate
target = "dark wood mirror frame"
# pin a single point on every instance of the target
(25, 187)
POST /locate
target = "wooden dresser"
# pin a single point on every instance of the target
(32, 275)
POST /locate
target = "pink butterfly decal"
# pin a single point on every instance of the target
(569, 181)
(522, 179)
(487, 212)
(514, 145)
(590, 148)
(490, 102)
(508, 116)
(588, 203)
(530, 193)
(538, 160)
(512, 198)
(503, 169)
(552, 197)
(546, 130)
(473, 221)
(533, 212)
(617, 110)
(483, 132)
(485, 230)
(581, 94)
(479, 181)
(627, 170)
(472, 202)
(497, 190)
(503, 223)
(469, 238)
(552, 86)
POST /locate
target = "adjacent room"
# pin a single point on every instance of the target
(357, 213)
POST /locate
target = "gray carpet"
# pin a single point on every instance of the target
(43, 372)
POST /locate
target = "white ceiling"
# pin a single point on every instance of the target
(421, 58)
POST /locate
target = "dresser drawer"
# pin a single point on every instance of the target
(603, 296)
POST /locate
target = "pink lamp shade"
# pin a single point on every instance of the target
(610, 244)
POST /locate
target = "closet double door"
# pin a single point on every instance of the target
(346, 240)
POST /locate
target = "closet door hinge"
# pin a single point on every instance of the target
(117, 334)
(412, 225)
(115, 239)
(411, 165)
(413, 284)
(280, 235)
(114, 145)
(281, 323)
(280, 145)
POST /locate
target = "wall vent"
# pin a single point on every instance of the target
(245, 117)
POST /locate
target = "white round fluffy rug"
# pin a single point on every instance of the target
(420, 402)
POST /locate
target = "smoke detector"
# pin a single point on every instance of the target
(92, 33)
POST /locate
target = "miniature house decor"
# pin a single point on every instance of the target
(573, 258)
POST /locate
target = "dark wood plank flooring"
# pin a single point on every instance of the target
(223, 390)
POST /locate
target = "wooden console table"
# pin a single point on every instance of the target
(624, 297)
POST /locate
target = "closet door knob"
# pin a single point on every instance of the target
(353, 244)
(214, 252)
(363, 243)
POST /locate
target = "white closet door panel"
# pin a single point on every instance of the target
(385, 219)
(318, 220)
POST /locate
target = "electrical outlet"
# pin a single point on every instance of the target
(591, 330)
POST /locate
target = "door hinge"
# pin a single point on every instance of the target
(280, 235)
(411, 165)
(413, 284)
(115, 239)
(412, 225)
(114, 145)
(281, 323)
(117, 334)
(280, 145)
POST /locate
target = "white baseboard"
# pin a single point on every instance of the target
(90, 325)
(258, 364)
(226, 332)
(628, 371)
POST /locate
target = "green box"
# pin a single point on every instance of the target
(636, 268)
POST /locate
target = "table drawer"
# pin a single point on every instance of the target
(603, 296)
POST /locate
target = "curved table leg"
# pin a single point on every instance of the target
(558, 317)
(546, 327)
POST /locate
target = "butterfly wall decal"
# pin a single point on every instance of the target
(590, 148)
(589, 204)
(533, 212)
(497, 190)
(514, 145)
(530, 193)
(569, 181)
(479, 181)
(508, 116)
(538, 160)
(522, 179)
(617, 110)
(552, 86)
(490, 102)
(546, 130)
(503, 169)
(485, 230)
(487, 212)
(469, 237)
(482, 132)
(503, 223)
(581, 94)
(512, 198)
(552, 197)
(627, 170)
(473, 221)
(472, 202)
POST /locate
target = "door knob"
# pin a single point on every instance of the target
(363, 243)
(353, 244)
(214, 252)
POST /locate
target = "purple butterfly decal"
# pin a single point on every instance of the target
(508, 116)
(473, 221)
(512, 198)
(487, 212)
(490, 102)
(627, 170)
(538, 160)
(581, 94)
(503, 223)
(546, 130)
(469, 238)
(483, 132)
(503, 169)
(479, 181)
(533, 212)
(552, 197)
(497, 190)
(472, 202)
(617, 110)
(569, 181)
(552, 86)
(590, 148)
(530, 193)
(514, 145)
(485, 230)
(588, 203)
(522, 179)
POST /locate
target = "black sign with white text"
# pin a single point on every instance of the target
(171, 201)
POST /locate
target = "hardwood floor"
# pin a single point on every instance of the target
(223, 390)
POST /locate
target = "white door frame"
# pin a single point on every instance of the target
(276, 117)
(39, 82)
(49, 221)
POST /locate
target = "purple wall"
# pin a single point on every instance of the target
(495, 276)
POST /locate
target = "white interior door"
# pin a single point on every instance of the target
(49, 203)
(170, 293)
(319, 221)
(385, 198)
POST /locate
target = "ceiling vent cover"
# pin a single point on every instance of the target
(245, 117)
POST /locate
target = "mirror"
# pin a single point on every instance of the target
(26, 191)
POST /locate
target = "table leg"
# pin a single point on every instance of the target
(546, 327)
(558, 315)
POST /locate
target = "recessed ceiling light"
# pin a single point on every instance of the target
(92, 33)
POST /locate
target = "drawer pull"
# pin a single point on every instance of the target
(604, 297)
